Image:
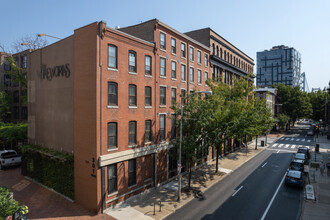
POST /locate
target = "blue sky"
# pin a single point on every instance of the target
(251, 26)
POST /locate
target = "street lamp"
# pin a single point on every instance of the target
(42, 35)
(180, 149)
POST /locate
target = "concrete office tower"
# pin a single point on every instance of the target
(281, 64)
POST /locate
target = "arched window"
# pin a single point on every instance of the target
(217, 51)
(213, 49)
(221, 53)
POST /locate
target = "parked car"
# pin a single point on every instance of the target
(301, 156)
(9, 158)
(294, 178)
(304, 150)
(310, 132)
(297, 165)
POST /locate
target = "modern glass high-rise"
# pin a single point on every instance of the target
(280, 64)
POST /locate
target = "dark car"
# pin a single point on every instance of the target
(297, 165)
(304, 150)
(294, 178)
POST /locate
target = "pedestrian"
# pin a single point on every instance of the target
(322, 167)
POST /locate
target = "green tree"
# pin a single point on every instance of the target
(283, 120)
(12, 133)
(317, 100)
(192, 124)
(295, 103)
(5, 102)
(8, 206)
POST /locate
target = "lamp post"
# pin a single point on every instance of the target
(42, 35)
(180, 147)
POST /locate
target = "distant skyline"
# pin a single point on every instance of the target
(251, 26)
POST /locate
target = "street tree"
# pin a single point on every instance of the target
(192, 124)
(317, 100)
(295, 103)
(5, 102)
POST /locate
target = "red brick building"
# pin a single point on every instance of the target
(104, 95)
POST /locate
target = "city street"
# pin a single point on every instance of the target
(255, 190)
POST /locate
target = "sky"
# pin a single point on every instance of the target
(252, 26)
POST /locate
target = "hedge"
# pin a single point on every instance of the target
(52, 168)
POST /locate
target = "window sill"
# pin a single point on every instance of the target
(192, 61)
(162, 49)
(112, 69)
(132, 107)
(112, 194)
(149, 76)
(113, 149)
(132, 146)
(148, 107)
(174, 54)
(183, 81)
(164, 77)
(113, 107)
(183, 58)
(173, 79)
(199, 64)
(162, 106)
(132, 73)
(130, 187)
(148, 143)
(199, 84)
(192, 83)
(147, 180)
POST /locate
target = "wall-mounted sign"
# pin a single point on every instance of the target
(56, 71)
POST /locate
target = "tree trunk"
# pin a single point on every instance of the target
(217, 160)
(189, 179)
(256, 143)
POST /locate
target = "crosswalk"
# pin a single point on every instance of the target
(287, 146)
(296, 139)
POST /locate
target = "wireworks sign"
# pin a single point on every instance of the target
(56, 71)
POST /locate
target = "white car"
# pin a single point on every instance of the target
(9, 158)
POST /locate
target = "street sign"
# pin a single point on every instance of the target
(310, 192)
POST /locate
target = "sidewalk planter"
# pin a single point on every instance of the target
(51, 168)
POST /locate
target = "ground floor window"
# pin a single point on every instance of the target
(112, 178)
(131, 172)
(172, 162)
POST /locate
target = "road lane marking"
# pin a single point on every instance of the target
(264, 164)
(291, 151)
(287, 139)
(282, 138)
(303, 139)
(237, 191)
(286, 146)
(298, 140)
(278, 151)
(308, 140)
(293, 146)
(274, 145)
(271, 201)
(292, 139)
(280, 145)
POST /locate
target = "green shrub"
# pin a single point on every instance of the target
(9, 206)
(52, 168)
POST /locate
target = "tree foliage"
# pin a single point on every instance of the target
(295, 103)
(8, 206)
(5, 102)
(283, 120)
(12, 133)
(317, 100)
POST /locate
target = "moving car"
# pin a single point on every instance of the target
(294, 178)
(9, 158)
(304, 150)
(310, 132)
(301, 156)
(297, 165)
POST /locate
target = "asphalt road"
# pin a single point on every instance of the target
(255, 190)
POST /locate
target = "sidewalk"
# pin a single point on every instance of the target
(142, 206)
(319, 209)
